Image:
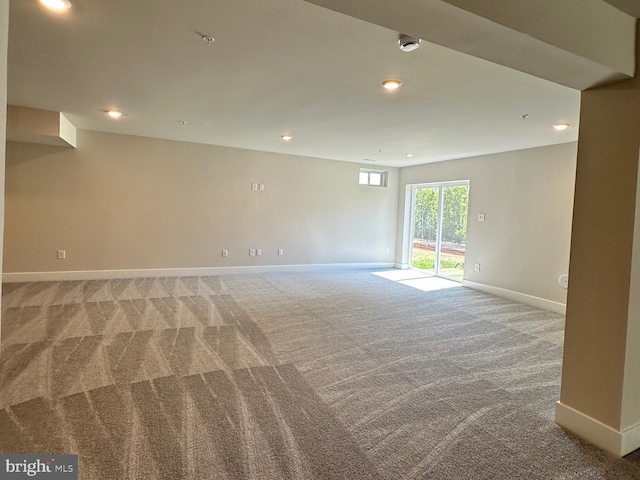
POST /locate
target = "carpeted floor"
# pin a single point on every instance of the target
(331, 375)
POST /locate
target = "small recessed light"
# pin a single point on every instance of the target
(58, 5)
(391, 84)
(181, 122)
(561, 126)
(408, 155)
(286, 138)
(114, 113)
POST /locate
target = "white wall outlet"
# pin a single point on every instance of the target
(254, 186)
(476, 267)
(280, 252)
(62, 254)
(261, 186)
(225, 252)
(258, 252)
(252, 252)
(386, 250)
(481, 217)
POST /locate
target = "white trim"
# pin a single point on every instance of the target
(596, 432)
(401, 266)
(182, 272)
(538, 302)
(630, 440)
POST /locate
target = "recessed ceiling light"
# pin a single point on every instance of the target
(114, 113)
(408, 155)
(391, 84)
(561, 126)
(286, 138)
(58, 5)
(181, 122)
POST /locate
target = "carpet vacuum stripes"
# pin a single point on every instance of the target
(326, 375)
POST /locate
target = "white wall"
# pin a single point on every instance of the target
(527, 198)
(124, 202)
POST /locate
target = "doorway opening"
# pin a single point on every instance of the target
(439, 214)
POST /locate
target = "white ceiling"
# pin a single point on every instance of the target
(277, 66)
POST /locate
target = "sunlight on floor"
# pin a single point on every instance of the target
(421, 281)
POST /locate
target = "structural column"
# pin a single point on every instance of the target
(600, 395)
(4, 32)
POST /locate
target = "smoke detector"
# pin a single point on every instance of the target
(408, 43)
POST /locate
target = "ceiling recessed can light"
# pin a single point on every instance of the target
(391, 84)
(114, 113)
(408, 155)
(561, 126)
(286, 138)
(56, 4)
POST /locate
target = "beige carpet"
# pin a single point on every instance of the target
(334, 375)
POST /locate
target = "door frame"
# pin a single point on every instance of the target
(412, 190)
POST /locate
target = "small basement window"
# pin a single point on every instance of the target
(374, 178)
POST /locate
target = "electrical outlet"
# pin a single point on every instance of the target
(476, 267)
(386, 250)
(254, 186)
(225, 252)
(481, 217)
(280, 252)
(258, 252)
(261, 187)
(62, 254)
(252, 252)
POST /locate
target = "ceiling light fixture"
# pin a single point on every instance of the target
(391, 84)
(561, 126)
(286, 138)
(58, 5)
(114, 113)
(408, 155)
(408, 43)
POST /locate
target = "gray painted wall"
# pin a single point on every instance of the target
(527, 199)
(125, 202)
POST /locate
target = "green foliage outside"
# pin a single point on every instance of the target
(450, 265)
(428, 263)
(454, 216)
(455, 209)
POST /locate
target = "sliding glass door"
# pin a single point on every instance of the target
(440, 228)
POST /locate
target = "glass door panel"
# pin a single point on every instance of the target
(425, 229)
(453, 238)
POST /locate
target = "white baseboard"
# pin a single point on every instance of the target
(401, 266)
(538, 302)
(181, 272)
(596, 432)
